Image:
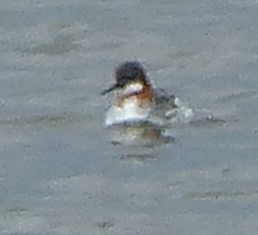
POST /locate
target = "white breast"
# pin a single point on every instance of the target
(131, 111)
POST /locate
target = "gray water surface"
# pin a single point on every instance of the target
(61, 174)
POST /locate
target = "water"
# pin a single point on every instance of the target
(60, 171)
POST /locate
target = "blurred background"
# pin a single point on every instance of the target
(60, 173)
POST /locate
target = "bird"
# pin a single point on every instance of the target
(137, 101)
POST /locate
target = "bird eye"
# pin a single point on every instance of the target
(123, 81)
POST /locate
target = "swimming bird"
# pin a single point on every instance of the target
(136, 100)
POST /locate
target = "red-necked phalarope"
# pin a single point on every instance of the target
(137, 101)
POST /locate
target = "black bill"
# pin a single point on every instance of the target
(113, 87)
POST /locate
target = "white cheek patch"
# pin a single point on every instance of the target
(132, 88)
